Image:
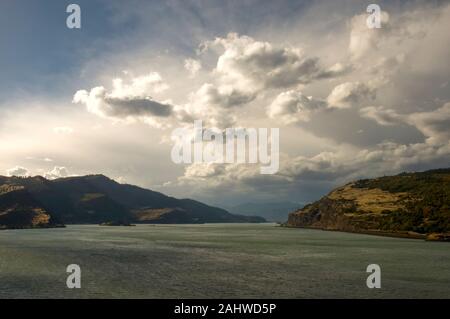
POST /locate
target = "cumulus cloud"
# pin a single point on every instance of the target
(213, 176)
(335, 167)
(130, 107)
(139, 86)
(395, 30)
(243, 70)
(434, 125)
(335, 70)
(381, 115)
(192, 66)
(57, 172)
(127, 101)
(121, 180)
(364, 39)
(241, 177)
(292, 107)
(213, 104)
(224, 96)
(213, 117)
(17, 171)
(256, 65)
(382, 71)
(254, 73)
(350, 94)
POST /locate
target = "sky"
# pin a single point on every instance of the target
(350, 101)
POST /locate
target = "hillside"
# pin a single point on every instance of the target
(97, 199)
(18, 209)
(409, 204)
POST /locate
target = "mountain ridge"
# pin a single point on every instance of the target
(95, 199)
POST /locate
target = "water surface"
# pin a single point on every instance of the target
(218, 261)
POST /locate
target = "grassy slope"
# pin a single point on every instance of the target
(408, 202)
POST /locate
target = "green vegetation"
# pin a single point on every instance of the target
(427, 205)
(408, 204)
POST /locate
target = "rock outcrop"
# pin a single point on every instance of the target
(407, 205)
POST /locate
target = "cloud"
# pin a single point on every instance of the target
(334, 71)
(255, 65)
(17, 171)
(292, 107)
(396, 30)
(57, 172)
(139, 86)
(364, 39)
(135, 107)
(223, 97)
(249, 81)
(213, 104)
(193, 67)
(127, 101)
(381, 115)
(243, 70)
(434, 125)
(299, 174)
(349, 94)
(120, 180)
(382, 71)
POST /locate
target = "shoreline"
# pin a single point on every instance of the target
(438, 237)
(32, 227)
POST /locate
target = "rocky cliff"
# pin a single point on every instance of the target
(408, 205)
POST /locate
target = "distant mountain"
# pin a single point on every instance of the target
(272, 211)
(95, 199)
(407, 205)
